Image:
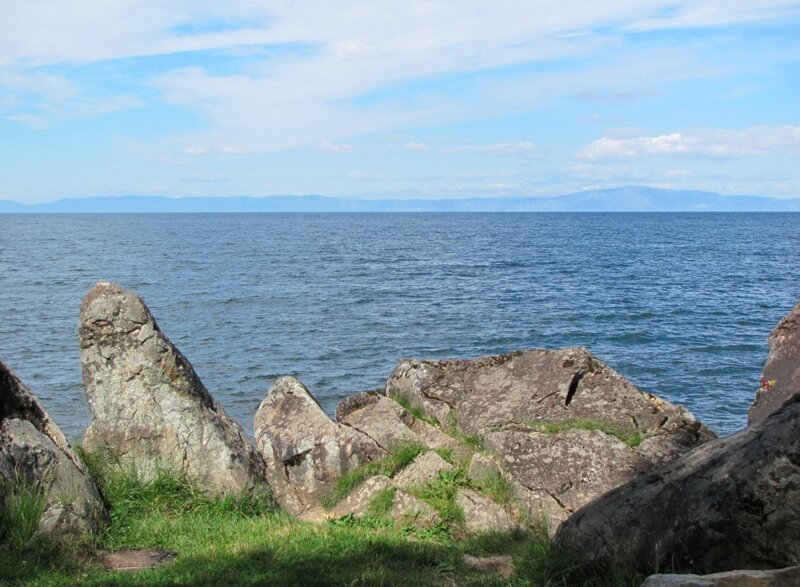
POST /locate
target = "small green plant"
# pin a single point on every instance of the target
(447, 454)
(20, 512)
(630, 437)
(496, 487)
(415, 411)
(381, 503)
(389, 466)
(441, 494)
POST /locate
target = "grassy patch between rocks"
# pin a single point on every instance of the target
(389, 466)
(415, 411)
(629, 437)
(244, 541)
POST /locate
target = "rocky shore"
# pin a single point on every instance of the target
(614, 474)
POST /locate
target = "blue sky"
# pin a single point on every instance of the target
(397, 99)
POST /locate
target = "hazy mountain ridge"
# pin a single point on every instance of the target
(625, 199)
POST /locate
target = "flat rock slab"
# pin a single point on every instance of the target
(149, 408)
(35, 454)
(501, 564)
(482, 515)
(786, 577)
(408, 509)
(780, 380)
(423, 469)
(358, 502)
(136, 560)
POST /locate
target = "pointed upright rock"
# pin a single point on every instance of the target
(780, 380)
(149, 407)
(304, 449)
(36, 458)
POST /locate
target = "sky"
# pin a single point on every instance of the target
(410, 99)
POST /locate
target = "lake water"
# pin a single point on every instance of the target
(681, 304)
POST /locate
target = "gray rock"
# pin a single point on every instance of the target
(410, 510)
(557, 386)
(304, 449)
(35, 457)
(426, 467)
(731, 503)
(506, 399)
(382, 419)
(482, 466)
(149, 407)
(358, 502)
(482, 515)
(573, 467)
(787, 577)
(503, 565)
(780, 380)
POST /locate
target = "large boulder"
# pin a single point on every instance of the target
(304, 449)
(780, 380)
(566, 427)
(731, 503)
(149, 408)
(36, 458)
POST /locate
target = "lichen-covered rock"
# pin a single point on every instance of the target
(382, 419)
(423, 469)
(358, 501)
(529, 408)
(36, 458)
(304, 449)
(731, 503)
(410, 510)
(572, 467)
(149, 407)
(482, 515)
(787, 577)
(780, 380)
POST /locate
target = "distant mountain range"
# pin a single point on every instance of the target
(625, 199)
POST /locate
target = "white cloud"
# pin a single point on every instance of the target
(416, 147)
(499, 149)
(196, 150)
(335, 147)
(712, 143)
(677, 173)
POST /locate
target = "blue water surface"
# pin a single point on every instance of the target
(681, 304)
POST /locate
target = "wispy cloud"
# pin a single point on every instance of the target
(522, 149)
(714, 144)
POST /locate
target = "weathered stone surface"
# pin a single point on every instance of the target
(136, 560)
(407, 509)
(35, 456)
(304, 449)
(573, 467)
(503, 398)
(500, 564)
(787, 577)
(780, 380)
(731, 503)
(482, 466)
(148, 406)
(566, 385)
(359, 500)
(482, 515)
(382, 419)
(426, 467)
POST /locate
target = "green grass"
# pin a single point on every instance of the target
(244, 541)
(20, 511)
(415, 411)
(630, 437)
(389, 466)
(496, 487)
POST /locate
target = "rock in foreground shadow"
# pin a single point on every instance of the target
(149, 408)
(732, 503)
(35, 458)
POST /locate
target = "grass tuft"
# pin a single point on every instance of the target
(415, 411)
(399, 459)
(20, 512)
(630, 437)
(496, 487)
